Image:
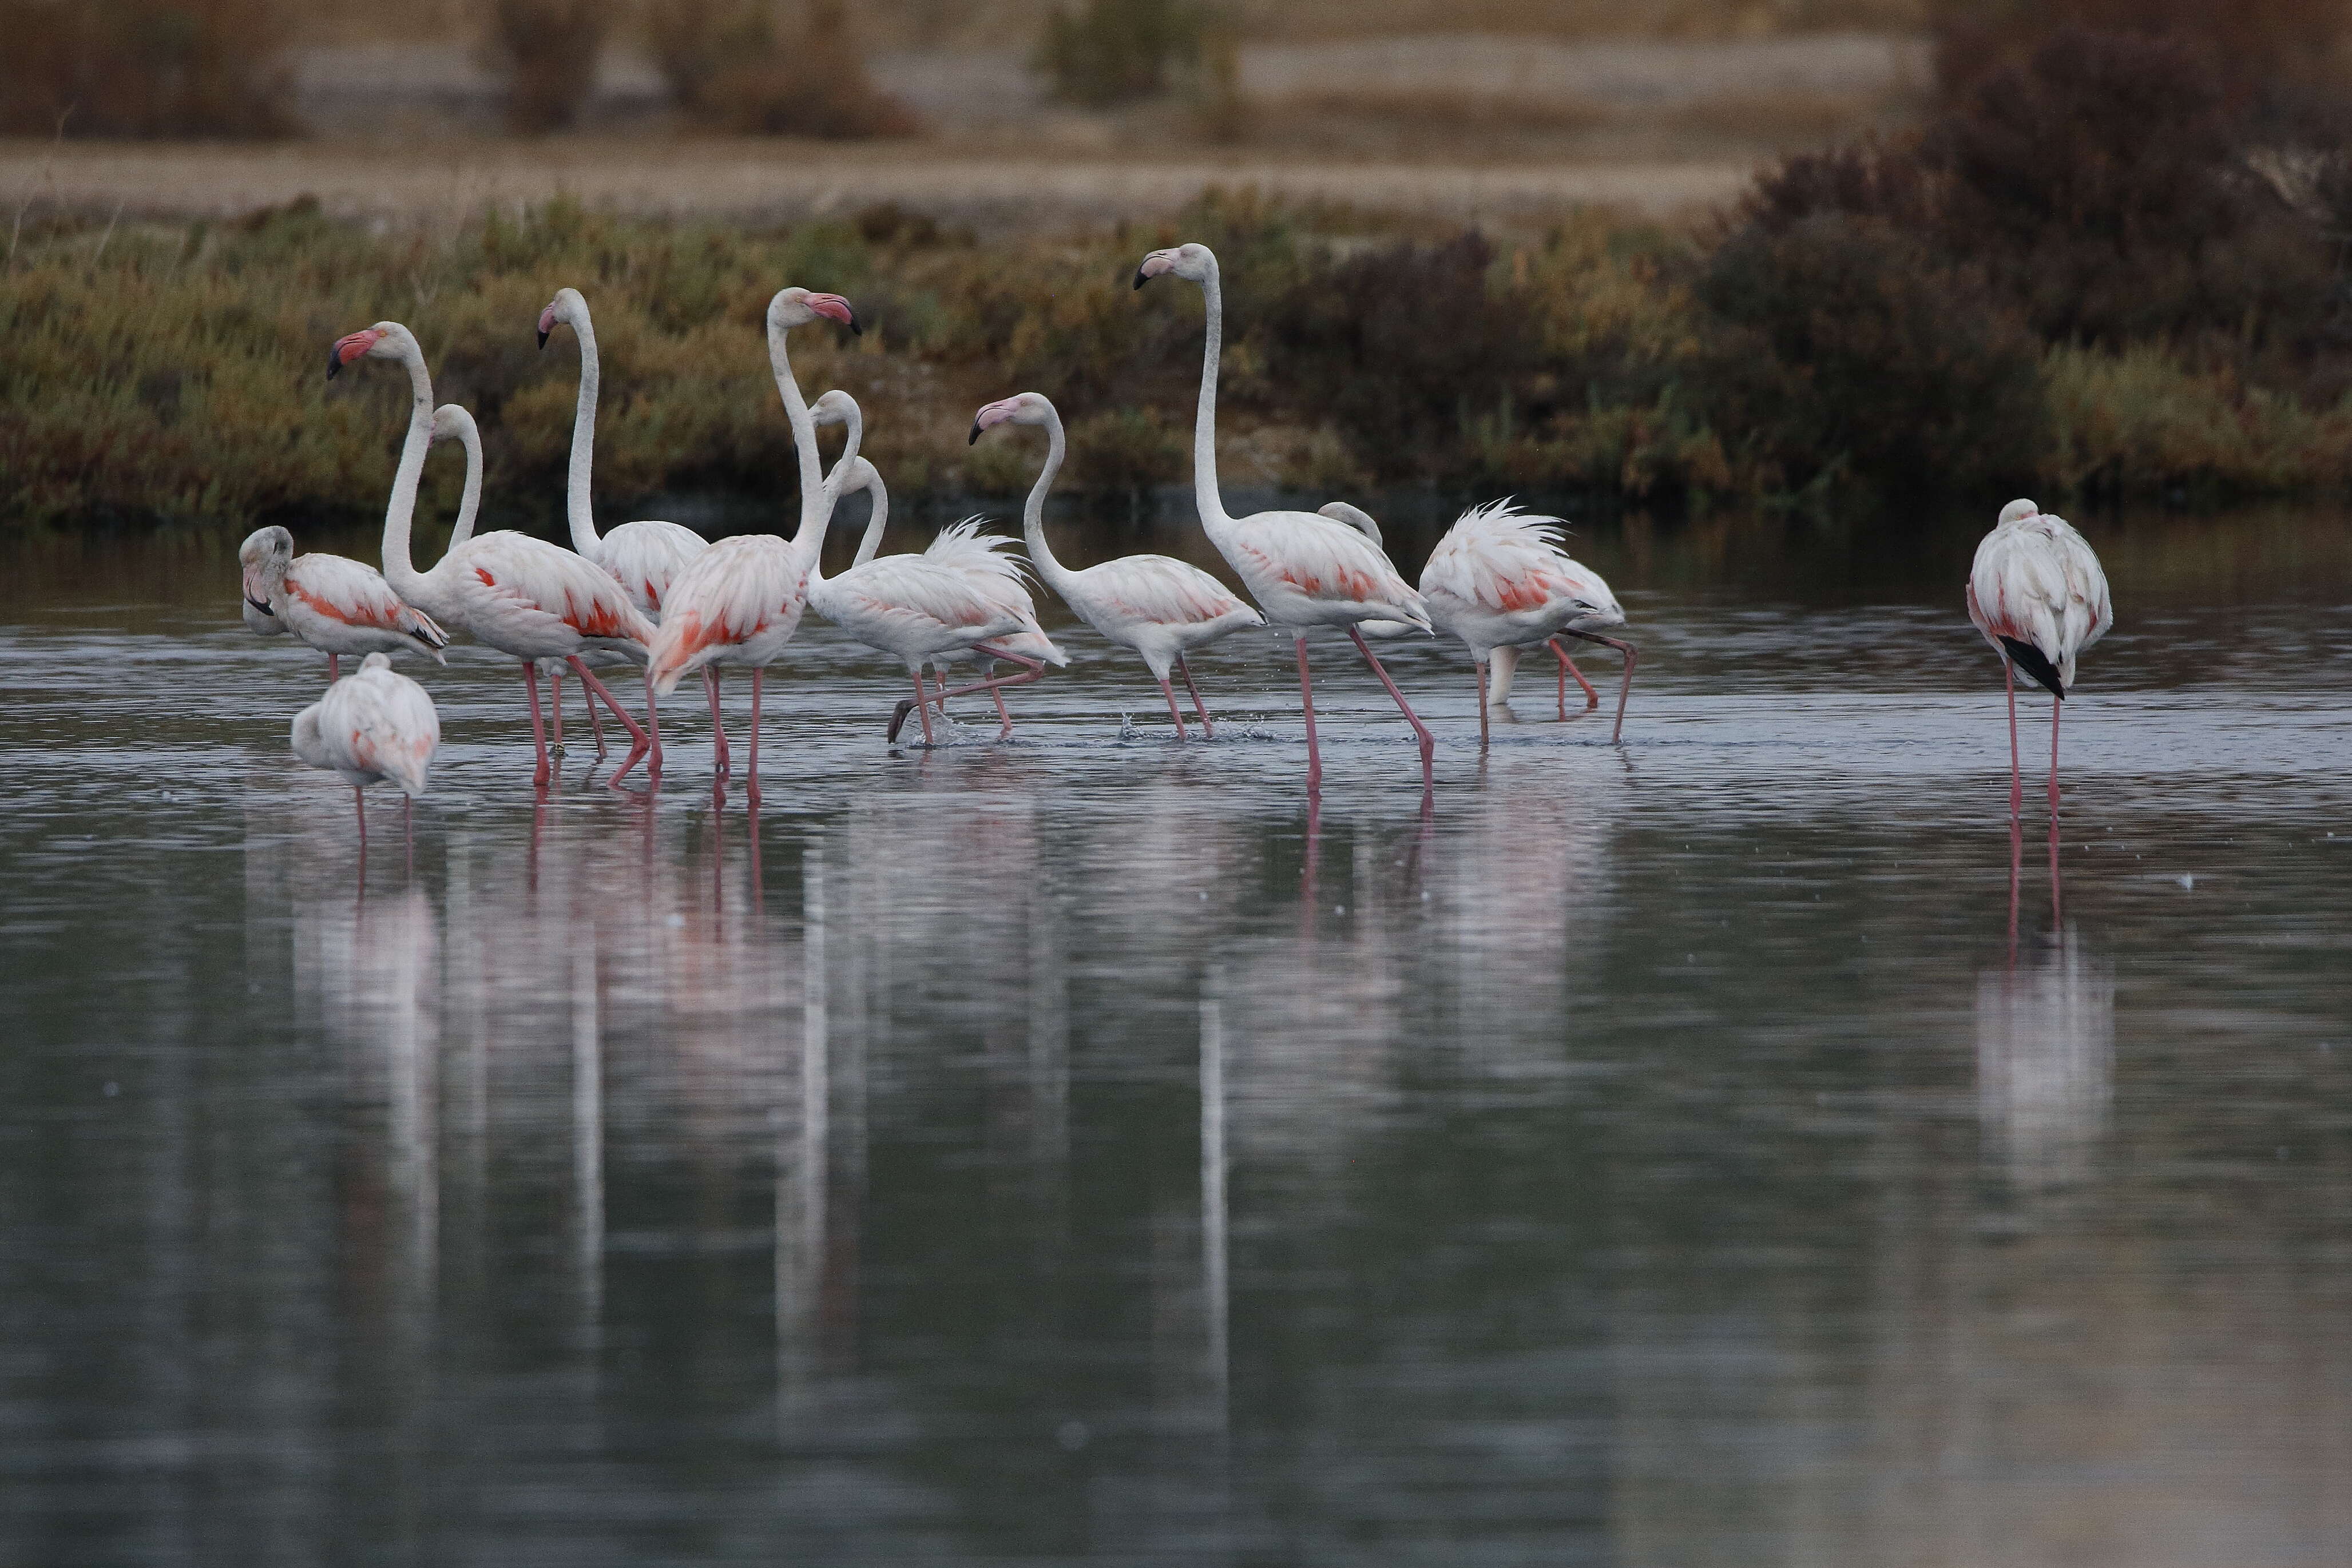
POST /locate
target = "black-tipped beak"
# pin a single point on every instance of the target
(334, 362)
(1141, 278)
(542, 340)
(854, 329)
(975, 434)
(263, 608)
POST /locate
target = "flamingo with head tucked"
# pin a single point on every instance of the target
(1305, 570)
(2037, 592)
(515, 593)
(329, 602)
(1160, 607)
(739, 602)
(377, 725)
(643, 556)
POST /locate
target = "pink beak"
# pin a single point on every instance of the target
(546, 324)
(351, 346)
(993, 415)
(834, 305)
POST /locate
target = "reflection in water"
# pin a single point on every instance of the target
(2045, 1060)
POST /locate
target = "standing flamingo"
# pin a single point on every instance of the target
(1303, 569)
(2037, 593)
(741, 601)
(643, 557)
(1160, 607)
(329, 602)
(377, 725)
(515, 593)
(960, 548)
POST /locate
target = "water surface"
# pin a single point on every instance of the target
(1720, 1148)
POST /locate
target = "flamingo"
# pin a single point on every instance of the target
(1303, 569)
(329, 602)
(643, 557)
(515, 593)
(1160, 607)
(377, 725)
(741, 601)
(2038, 594)
(1501, 581)
(930, 607)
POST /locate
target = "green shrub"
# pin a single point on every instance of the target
(1115, 51)
(732, 67)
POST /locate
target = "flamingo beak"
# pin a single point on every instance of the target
(350, 347)
(546, 324)
(1158, 262)
(834, 305)
(975, 434)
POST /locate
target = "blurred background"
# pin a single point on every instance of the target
(1845, 255)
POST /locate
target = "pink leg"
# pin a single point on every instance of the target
(359, 804)
(1480, 667)
(555, 711)
(639, 744)
(718, 729)
(408, 827)
(1428, 741)
(538, 726)
(921, 706)
(1173, 711)
(1566, 668)
(1030, 670)
(2016, 778)
(1207, 729)
(596, 724)
(2057, 706)
(1314, 753)
(1624, 687)
(751, 784)
(335, 669)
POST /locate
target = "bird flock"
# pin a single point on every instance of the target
(658, 596)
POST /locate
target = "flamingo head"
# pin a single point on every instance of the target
(566, 307)
(834, 407)
(799, 306)
(2017, 511)
(452, 423)
(385, 341)
(262, 560)
(1194, 262)
(1021, 408)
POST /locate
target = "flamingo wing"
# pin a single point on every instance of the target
(1323, 561)
(514, 577)
(913, 595)
(385, 724)
(1509, 561)
(341, 590)
(644, 559)
(734, 591)
(1164, 592)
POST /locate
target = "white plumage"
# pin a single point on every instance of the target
(2037, 593)
(373, 726)
(329, 602)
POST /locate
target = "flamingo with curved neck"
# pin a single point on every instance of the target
(1160, 607)
(739, 602)
(1305, 570)
(520, 595)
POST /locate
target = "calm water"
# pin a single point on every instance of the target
(1079, 1150)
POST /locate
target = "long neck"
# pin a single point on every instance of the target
(1032, 515)
(804, 428)
(877, 520)
(845, 468)
(576, 504)
(400, 512)
(1204, 423)
(470, 503)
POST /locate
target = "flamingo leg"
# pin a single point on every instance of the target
(1208, 731)
(408, 827)
(1566, 668)
(1480, 667)
(359, 805)
(596, 724)
(1625, 687)
(2016, 778)
(1030, 670)
(2057, 706)
(718, 729)
(335, 669)
(1314, 753)
(751, 783)
(555, 711)
(538, 726)
(1173, 711)
(1428, 741)
(639, 745)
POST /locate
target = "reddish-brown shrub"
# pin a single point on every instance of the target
(142, 67)
(548, 48)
